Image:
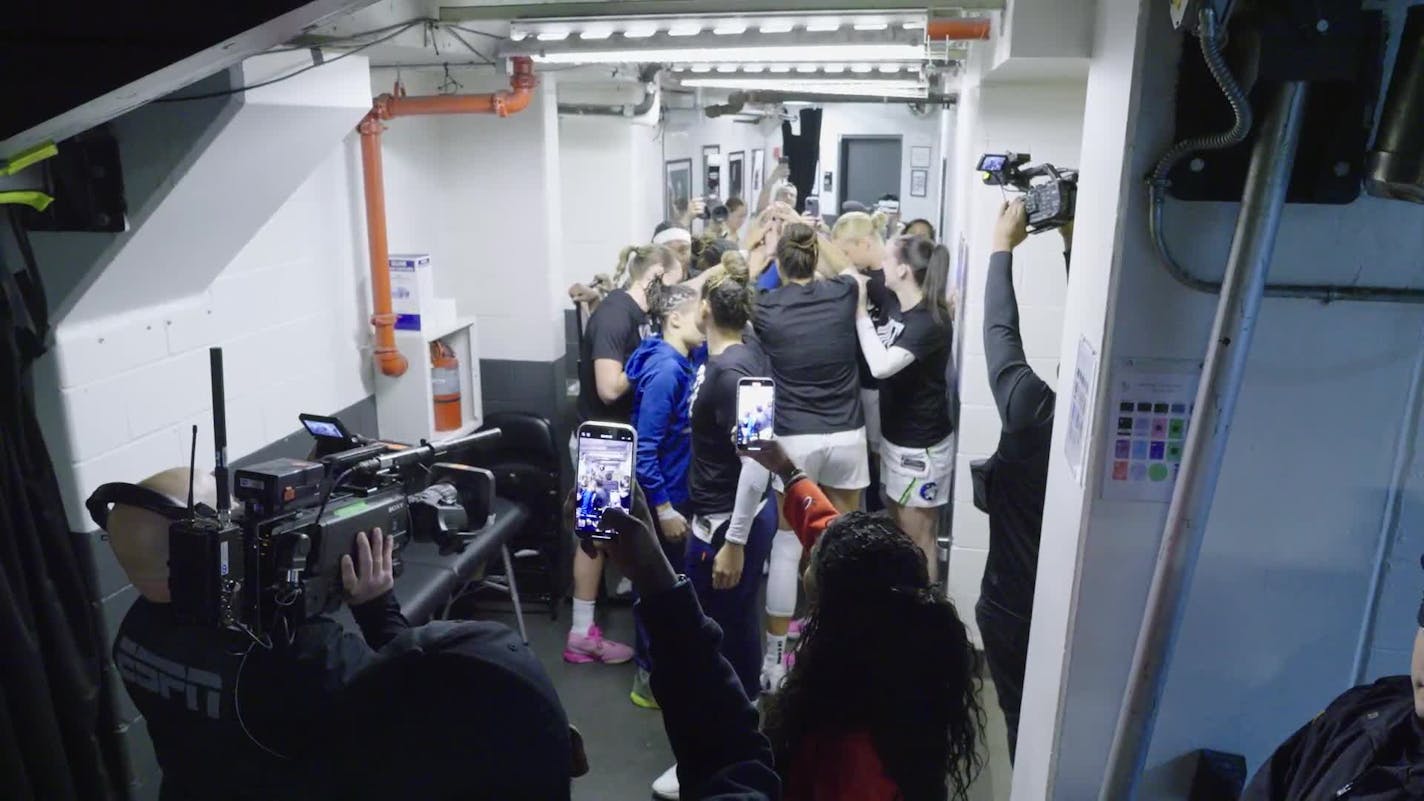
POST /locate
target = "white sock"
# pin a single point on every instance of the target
(583, 617)
(775, 649)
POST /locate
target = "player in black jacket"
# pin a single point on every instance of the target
(1015, 478)
(1368, 745)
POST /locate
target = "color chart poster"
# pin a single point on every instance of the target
(1151, 412)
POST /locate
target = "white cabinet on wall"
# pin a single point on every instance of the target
(405, 405)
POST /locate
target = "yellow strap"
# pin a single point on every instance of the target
(33, 198)
(28, 158)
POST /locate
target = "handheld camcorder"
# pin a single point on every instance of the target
(1050, 194)
(277, 559)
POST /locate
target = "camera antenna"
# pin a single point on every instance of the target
(219, 435)
(192, 466)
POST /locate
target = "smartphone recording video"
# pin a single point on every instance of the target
(604, 475)
(756, 411)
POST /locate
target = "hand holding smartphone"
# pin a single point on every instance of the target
(604, 475)
(756, 412)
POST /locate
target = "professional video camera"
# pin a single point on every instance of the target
(1050, 203)
(278, 558)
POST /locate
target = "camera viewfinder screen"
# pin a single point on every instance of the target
(323, 428)
(992, 163)
(605, 477)
(756, 410)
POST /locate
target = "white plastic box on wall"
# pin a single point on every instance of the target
(405, 406)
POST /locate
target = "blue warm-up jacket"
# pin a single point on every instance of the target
(662, 381)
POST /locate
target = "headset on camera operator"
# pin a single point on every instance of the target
(1010, 485)
(231, 717)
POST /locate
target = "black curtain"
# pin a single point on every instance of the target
(802, 153)
(58, 733)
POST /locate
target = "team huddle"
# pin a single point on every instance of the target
(830, 341)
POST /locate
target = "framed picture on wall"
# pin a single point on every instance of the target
(707, 152)
(735, 174)
(919, 183)
(919, 156)
(758, 170)
(677, 187)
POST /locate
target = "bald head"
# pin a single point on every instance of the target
(140, 537)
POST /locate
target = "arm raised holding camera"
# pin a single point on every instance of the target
(1023, 398)
(712, 726)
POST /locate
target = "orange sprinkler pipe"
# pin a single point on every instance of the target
(388, 106)
(959, 29)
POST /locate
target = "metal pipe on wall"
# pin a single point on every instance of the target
(1272, 159)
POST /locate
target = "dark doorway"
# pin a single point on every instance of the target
(870, 168)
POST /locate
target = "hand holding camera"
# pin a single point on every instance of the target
(633, 547)
(1012, 227)
(372, 575)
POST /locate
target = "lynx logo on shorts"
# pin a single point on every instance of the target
(927, 492)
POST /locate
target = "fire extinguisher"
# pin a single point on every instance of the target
(445, 379)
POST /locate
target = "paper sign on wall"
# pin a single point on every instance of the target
(1152, 403)
(1085, 377)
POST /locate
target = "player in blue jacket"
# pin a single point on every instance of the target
(661, 374)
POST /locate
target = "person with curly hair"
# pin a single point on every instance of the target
(850, 723)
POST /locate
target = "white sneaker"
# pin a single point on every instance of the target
(773, 675)
(665, 786)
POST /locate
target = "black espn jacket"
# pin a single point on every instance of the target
(1366, 746)
(186, 680)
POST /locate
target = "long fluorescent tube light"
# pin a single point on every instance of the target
(899, 89)
(781, 53)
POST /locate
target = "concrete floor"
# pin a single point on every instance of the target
(626, 745)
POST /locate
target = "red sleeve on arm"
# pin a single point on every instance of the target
(808, 511)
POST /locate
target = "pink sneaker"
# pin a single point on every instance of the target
(593, 648)
(793, 632)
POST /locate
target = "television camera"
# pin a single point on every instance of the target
(277, 559)
(1050, 194)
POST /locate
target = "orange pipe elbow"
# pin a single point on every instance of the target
(388, 106)
(959, 29)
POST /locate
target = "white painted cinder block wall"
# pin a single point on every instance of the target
(290, 313)
(1046, 120)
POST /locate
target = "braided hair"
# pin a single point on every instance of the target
(871, 596)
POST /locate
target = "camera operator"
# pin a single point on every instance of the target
(231, 717)
(1010, 485)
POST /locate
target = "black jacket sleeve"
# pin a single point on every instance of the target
(1024, 399)
(1273, 780)
(328, 657)
(711, 725)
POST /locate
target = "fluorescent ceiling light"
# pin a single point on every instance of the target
(553, 36)
(890, 68)
(730, 28)
(861, 68)
(702, 68)
(875, 88)
(596, 34)
(726, 67)
(754, 68)
(517, 36)
(641, 30)
(806, 68)
(824, 24)
(835, 69)
(871, 26)
(776, 26)
(782, 53)
(781, 69)
(685, 29)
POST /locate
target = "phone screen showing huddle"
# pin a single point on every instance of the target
(604, 474)
(756, 411)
